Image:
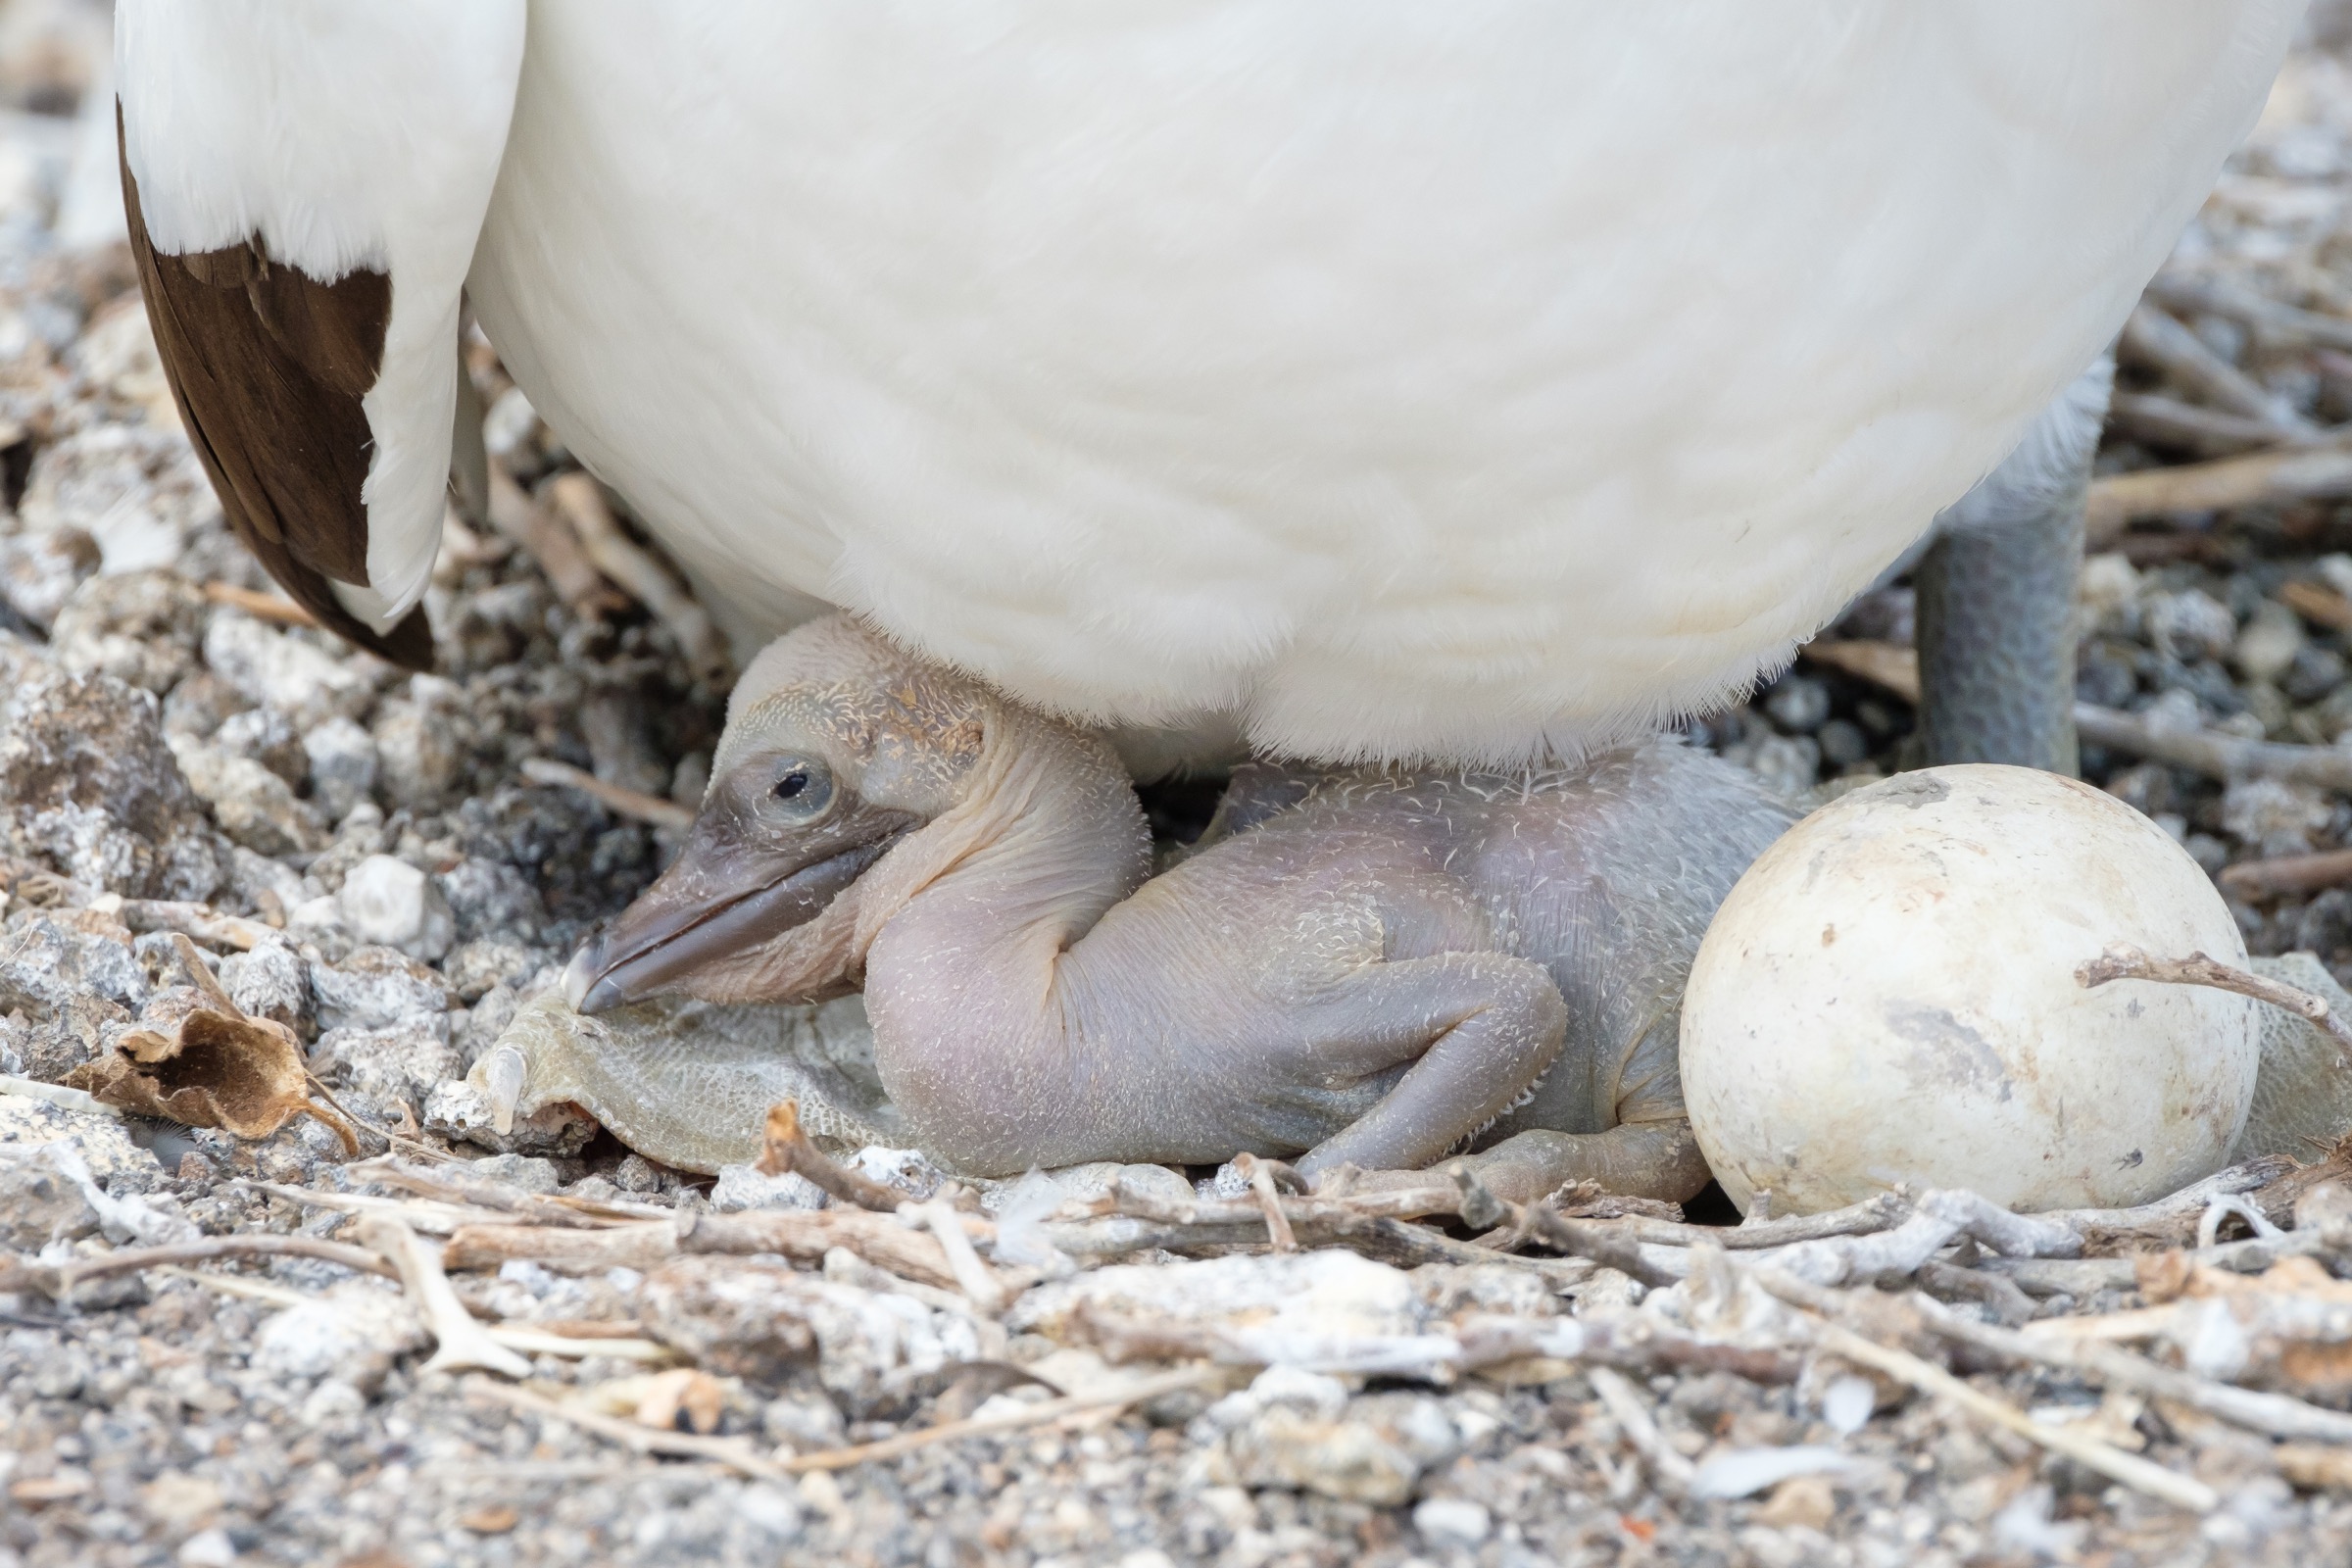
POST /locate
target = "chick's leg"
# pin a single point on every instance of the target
(1638, 1159)
(1485, 1027)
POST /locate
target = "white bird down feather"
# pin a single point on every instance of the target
(1389, 378)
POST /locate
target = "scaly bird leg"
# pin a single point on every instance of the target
(1996, 592)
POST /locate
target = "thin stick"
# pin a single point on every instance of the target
(733, 1453)
(2278, 1415)
(1042, 1414)
(976, 1279)
(2216, 755)
(2294, 474)
(261, 1244)
(2142, 1474)
(1669, 1469)
(459, 1341)
(2322, 607)
(581, 501)
(2271, 318)
(1279, 1235)
(2160, 420)
(620, 797)
(2159, 341)
(259, 606)
(2287, 875)
(2129, 964)
(787, 1150)
(199, 920)
(550, 542)
(1895, 669)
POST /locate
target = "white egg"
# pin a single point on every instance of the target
(1888, 995)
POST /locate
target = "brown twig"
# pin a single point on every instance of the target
(59, 1280)
(2271, 318)
(2155, 419)
(787, 1150)
(581, 502)
(2220, 757)
(2296, 473)
(550, 542)
(259, 606)
(2287, 875)
(2161, 342)
(459, 1341)
(733, 1453)
(1279, 1234)
(973, 1277)
(620, 797)
(1069, 1407)
(199, 920)
(1895, 669)
(2322, 607)
(2142, 1474)
(2129, 964)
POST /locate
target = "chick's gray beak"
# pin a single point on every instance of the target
(723, 895)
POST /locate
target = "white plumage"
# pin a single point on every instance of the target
(1467, 380)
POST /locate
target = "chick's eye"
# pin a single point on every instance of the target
(803, 789)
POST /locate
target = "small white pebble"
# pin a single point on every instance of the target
(1311, 1392)
(1846, 1403)
(1453, 1522)
(208, 1549)
(771, 1511)
(389, 902)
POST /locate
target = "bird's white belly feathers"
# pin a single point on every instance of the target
(1403, 378)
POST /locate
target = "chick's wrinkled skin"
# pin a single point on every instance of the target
(1368, 967)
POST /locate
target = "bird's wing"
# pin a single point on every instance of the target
(304, 181)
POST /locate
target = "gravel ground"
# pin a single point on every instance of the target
(361, 861)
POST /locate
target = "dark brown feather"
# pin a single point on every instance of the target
(268, 368)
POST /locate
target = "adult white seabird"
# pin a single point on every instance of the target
(1392, 380)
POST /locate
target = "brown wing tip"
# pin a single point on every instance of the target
(410, 645)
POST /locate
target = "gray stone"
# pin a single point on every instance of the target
(270, 982)
(141, 627)
(377, 987)
(476, 969)
(39, 571)
(254, 806)
(276, 670)
(460, 1112)
(757, 1320)
(266, 736)
(391, 1067)
(343, 764)
(201, 703)
(51, 959)
(741, 1187)
(492, 899)
(526, 1171)
(90, 787)
(39, 1203)
(420, 743)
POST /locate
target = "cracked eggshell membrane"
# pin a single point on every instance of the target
(1888, 995)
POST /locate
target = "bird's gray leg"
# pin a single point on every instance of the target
(1997, 590)
(1492, 1024)
(1636, 1159)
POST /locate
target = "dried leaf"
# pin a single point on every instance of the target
(215, 1069)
